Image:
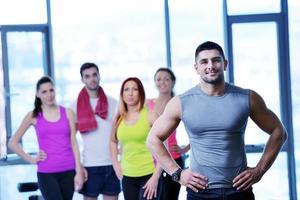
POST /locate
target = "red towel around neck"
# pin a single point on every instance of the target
(86, 115)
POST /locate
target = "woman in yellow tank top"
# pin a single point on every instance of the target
(136, 167)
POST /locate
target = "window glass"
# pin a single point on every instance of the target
(2, 112)
(128, 39)
(25, 60)
(294, 32)
(237, 7)
(191, 23)
(256, 67)
(23, 12)
(189, 28)
(124, 40)
(275, 177)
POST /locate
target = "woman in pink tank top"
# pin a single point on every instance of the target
(164, 81)
(58, 163)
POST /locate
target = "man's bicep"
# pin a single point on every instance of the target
(261, 115)
(169, 120)
(163, 127)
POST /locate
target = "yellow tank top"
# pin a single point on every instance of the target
(136, 159)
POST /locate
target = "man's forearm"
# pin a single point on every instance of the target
(272, 149)
(161, 154)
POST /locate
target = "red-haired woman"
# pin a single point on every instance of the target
(137, 170)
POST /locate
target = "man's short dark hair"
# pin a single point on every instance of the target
(87, 65)
(208, 45)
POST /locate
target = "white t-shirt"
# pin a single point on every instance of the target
(95, 150)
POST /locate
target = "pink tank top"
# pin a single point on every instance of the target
(54, 139)
(171, 141)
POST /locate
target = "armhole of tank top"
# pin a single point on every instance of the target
(181, 107)
(63, 113)
(34, 120)
(150, 104)
(145, 113)
(39, 116)
(146, 110)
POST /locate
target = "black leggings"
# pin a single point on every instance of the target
(57, 186)
(168, 189)
(133, 187)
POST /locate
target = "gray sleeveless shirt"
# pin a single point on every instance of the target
(216, 127)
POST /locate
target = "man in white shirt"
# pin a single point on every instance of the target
(95, 131)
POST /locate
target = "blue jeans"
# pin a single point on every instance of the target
(220, 194)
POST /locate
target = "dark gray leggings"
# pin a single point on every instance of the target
(57, 186)
(133, 187)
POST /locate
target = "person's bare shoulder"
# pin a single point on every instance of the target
(173, 108)
(29, 118)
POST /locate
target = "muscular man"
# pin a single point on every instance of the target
(215, 115)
